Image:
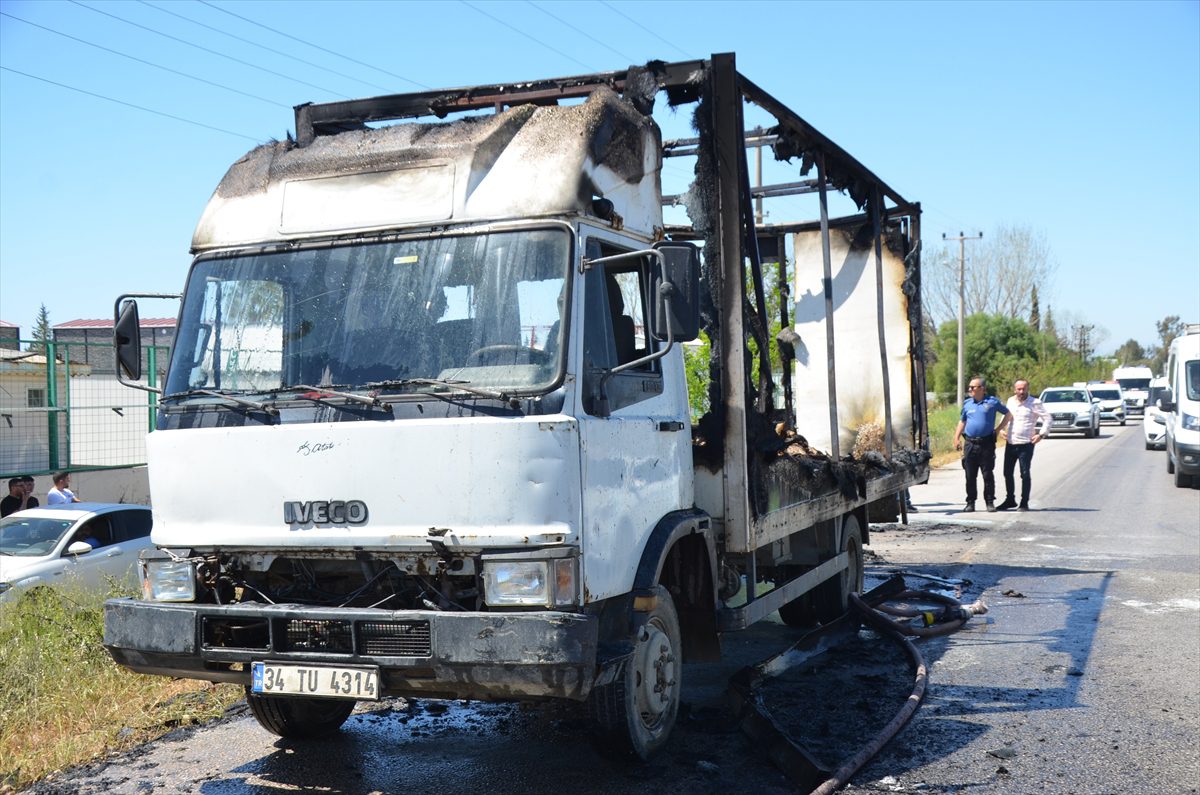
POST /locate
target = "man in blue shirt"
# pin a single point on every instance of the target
(978, 430)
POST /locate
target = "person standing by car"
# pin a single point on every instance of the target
(20, 496)
(61, 492)
(977, 429)
(1030, 422)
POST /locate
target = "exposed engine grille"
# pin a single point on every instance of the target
(331, 637)
(394, 638)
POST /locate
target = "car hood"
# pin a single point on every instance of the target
(1063, 408)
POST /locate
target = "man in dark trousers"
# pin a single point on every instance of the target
(978, 430)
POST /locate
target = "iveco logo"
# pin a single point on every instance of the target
(325, 512)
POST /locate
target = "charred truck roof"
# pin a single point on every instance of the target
(524, 162)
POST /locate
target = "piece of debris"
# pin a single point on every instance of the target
(1002, 771)
(1005, 752)
(1014, 594)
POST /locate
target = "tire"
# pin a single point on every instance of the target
(1182, 481)
(832, 597)
(1122, 423)
(299, 718)
(1170, 464)
(800, 612)
(634, 714)
(1149, 445)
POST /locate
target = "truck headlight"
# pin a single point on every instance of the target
(168, 581)
(529, 583)
(1190, 423)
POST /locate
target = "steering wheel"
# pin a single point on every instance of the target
(515, 351)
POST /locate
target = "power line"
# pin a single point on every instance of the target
(581, 32)
(526, 35)
(615, 10)
(314, 46)
(129, 104)
(263, 46)
(147, 63)
(211, 52)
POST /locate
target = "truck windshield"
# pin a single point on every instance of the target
(1134, 383)
(482, 310)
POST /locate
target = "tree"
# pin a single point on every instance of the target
(1035, 315)
(41, 331)
(1130, 353)
(1001, 272)
(995, 347)
(1168, 329)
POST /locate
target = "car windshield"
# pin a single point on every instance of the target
(1064, 396)
(31, 537)
(483, 310)
(1106, 394)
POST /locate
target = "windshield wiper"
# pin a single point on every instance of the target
(241, 401)
(461, 386)
(366, 400)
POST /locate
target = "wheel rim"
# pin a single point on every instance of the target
(657, 677)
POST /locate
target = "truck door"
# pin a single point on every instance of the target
(634, 459)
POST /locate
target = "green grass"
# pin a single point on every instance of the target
(64, 702)
(942, 422)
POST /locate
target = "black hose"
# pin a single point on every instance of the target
(853, 764)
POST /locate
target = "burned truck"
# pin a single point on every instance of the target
(426, 428)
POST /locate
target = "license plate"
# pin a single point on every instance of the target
(315, 680)
(1061, 423)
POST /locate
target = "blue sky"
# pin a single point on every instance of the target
(1077, 120)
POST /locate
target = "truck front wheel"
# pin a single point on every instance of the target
(299, 718)
(635, 714)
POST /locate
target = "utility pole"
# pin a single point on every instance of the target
(962, 258)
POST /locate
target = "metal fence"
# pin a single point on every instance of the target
(65, 409)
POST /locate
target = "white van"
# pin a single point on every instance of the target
(1180, 405)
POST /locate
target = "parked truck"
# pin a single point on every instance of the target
(426, 428)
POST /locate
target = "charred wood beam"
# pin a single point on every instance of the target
(685, 147)
(762, 191)
(843, 168)
(328, 117)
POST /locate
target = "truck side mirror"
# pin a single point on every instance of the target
(1166, 401)
(127, 340)
(677, 292)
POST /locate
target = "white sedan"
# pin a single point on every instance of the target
(1071, 411)
(84, 544)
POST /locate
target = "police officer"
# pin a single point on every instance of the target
(976, 437)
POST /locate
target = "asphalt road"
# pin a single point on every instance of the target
(1086, 682)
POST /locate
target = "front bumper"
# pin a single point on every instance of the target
(1116, 415)
(487, 656)
(1187, 458)
(1069, 422)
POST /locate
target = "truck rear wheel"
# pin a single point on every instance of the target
(634, 715)
(299, 718)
